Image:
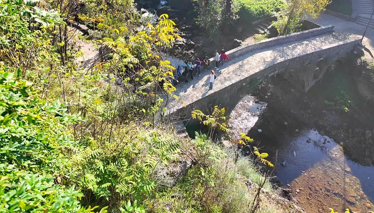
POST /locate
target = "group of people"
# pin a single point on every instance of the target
(181, 73)
(221, 58)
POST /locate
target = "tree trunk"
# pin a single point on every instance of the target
(228, 7)
(227, 16)
(285, 29)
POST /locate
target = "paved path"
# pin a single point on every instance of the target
(248, 64)
(361, 12)
(362, 8)
(348, 27)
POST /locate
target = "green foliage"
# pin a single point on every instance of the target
(210, 16)
(210, 186)
(261, 156)
(32, 141)
(294, 11)
(217, 119)
(77, 138)
(123, 169)
(213, 16)
(253, 10)
(214, 184)
(33, 131)
(26, 192)
(248, 169)
(113, 19)
(260, 37)
(25, 33)
(342, 101)
(133, 208)
(370, 67)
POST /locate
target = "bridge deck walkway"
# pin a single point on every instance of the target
(249, 64)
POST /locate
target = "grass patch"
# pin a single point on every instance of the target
(215, 184)
(253, 10)
(260, 37)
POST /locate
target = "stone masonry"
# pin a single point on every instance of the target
(303, 62)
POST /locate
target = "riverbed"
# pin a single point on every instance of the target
(314, 166)
(320, 150)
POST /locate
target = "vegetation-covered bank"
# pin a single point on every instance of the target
(215, 25)
(85, 140)
(136, 169)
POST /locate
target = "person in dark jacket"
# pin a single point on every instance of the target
(206, 62)
(190, 68)
(197, 64)
(186, 71)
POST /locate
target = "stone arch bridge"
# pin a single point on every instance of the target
(302, 58)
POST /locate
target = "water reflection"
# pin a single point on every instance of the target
(320, 175)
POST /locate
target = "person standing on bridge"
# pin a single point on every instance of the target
(217, 58)
(224, 58)
(197, 67)
(206, 62)
(212, 76)
(190, 68)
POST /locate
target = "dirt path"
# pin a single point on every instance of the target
(90, 54)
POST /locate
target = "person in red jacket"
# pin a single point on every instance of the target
(224, 57)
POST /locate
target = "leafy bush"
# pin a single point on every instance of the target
(76, 138)
(33, 132)
(214, 184)
(23, 35)
(253, 10)
(26, 192)
(293, 12)
(123, 169)
(32, 142)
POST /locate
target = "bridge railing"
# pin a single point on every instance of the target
(241, 50)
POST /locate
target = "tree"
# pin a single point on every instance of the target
(294, 11)
(215, 15)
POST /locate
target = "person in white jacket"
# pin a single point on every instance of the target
(218, 58)
(212, 76)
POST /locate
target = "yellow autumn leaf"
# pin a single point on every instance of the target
(22, 205)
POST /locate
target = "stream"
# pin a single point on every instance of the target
(314, 166)
(320, 142)
(298, 130)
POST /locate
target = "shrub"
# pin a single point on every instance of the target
(253, 10)
(22, 191)
(32, 143)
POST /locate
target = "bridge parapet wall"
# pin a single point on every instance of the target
(239, 51)
(279, 41)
